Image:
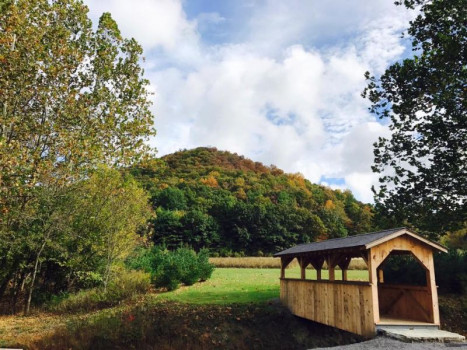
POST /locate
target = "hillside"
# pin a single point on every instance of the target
(219, 200)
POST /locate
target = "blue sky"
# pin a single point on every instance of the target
(277, 81)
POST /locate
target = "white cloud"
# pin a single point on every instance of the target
(360, 185)
(285, 91)
(155, 24)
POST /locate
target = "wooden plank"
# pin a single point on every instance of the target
(336, 304)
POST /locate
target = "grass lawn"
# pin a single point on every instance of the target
(233, 285)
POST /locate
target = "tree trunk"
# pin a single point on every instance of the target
(18, 289)
(4, 284)
(31, 288)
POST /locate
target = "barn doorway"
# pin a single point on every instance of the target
(404, 294)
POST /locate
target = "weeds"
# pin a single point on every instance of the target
(125, 285)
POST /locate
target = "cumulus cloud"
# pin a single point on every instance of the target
(156, 25)
(285, 91)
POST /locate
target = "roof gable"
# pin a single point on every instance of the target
(363, 241)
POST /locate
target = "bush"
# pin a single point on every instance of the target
(125, 285)
(189, 266)
(169, 269)
(169, 274)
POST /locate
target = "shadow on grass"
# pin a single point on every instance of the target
(221, 297)
(172, 325)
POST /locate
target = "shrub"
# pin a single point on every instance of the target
(169, 269)
(189, 266)
(169, 274)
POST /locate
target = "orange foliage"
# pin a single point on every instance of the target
(210, 181)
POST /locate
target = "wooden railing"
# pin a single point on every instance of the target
(342, 304)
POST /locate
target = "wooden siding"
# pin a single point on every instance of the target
(344, 305)
(406, 302)
(424, 255)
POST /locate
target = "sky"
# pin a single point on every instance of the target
(277, 81)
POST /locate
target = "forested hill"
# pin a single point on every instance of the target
(230, 204)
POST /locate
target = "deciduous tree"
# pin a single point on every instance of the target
(423, 165)
(70, 98)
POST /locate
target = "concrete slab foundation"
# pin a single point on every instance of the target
(420, 334)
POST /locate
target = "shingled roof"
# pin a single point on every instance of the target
(363, 241)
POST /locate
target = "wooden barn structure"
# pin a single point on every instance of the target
(361, 306)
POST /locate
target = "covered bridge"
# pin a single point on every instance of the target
(361, 306)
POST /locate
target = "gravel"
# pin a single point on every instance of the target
(388, 343)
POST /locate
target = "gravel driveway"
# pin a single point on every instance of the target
(388, 343)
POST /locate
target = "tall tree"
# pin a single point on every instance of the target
(423, 165)
(70, 98)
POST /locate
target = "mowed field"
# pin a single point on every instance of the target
(244, 285)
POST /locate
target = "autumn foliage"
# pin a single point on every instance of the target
(227, 203)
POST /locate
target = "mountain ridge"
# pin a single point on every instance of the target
(225, 202)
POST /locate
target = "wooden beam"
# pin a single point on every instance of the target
(344, 275)
(380, 276)
(303, 261)
(285, 260)
(331, 261)
(373, 263)
(431, 284)
(364, 256)
(344, 263)
(317, 263)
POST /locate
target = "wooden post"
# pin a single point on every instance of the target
(373, 263)
(344, 263)
(317, 263)
(331, 262)
(285, 260)
(303, 262)
(431, 283)
(380, 275)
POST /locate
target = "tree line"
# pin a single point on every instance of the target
(221, 201)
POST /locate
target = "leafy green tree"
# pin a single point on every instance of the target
(71, 98)
(423, 164)
(168, 228)
(171, 198)
(81, 231)
(107, 214)
(200, 230)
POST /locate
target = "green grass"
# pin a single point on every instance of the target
(233, 285)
